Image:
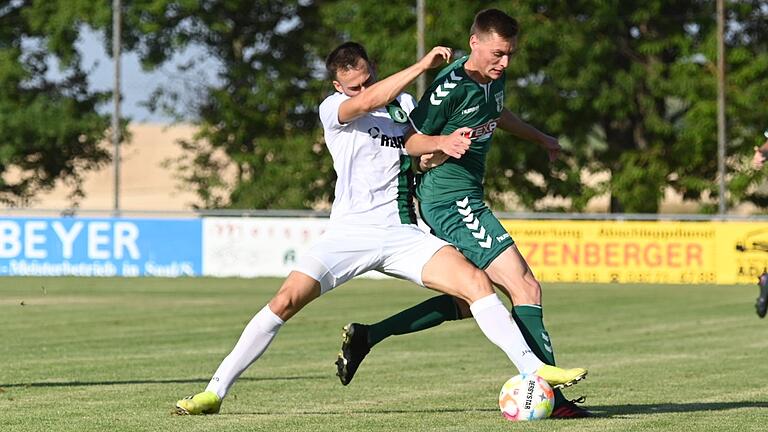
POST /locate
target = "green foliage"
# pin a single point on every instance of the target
(294, 171)
(642, 76)
(262, 111)
(199, 167)
(628, 86)
(49, 129)
(389, 33)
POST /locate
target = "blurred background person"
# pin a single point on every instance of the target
(758, 160)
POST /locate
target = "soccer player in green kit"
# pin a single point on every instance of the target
(469, 93)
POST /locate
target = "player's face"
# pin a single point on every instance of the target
(352, 81)
(491, 53)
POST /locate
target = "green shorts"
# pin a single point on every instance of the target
(470, 226)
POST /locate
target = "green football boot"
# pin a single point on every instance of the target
(206, 402)
(559, 378)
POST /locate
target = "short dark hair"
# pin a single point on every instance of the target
(345, 56)
(494, 21)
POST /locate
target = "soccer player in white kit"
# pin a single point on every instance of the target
(373, 226)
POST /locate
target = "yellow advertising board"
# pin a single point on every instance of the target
(643, 252)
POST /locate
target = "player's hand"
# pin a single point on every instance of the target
(439, 55)
(431, 160)
(552, 146)
(455, 144)
(758, 160)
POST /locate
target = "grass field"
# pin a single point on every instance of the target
(115, 354)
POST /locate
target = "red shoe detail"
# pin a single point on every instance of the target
(569, 409)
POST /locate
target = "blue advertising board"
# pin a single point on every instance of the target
(100, 247)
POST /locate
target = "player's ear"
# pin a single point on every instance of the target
(337, 86)
(473, 40)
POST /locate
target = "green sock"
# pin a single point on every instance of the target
(424, 315)
(530, 319)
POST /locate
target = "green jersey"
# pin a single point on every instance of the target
(452, 101)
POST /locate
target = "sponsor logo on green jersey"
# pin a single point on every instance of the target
(484, 131)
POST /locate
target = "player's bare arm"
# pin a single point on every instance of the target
(453, 145)
(431, 160)
(367, 94)
(761, 153)
(514, 125)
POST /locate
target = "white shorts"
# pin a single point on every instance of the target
(343, 252)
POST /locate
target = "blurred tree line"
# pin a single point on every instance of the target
(629, 87)
(49, 129)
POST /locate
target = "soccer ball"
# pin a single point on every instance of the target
(526, 397)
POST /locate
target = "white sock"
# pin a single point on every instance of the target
(256, 337)
(497, 324)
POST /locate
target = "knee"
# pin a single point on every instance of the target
(531, 284)
(283, 305)
(290, 299)
(478, 286)
(525, 290)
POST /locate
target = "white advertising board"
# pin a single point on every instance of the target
(252, 247)
(255, 247)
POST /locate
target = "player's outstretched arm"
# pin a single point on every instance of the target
(386, 90)
(453, 145)
(512, 124)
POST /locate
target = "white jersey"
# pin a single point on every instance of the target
(375, 182)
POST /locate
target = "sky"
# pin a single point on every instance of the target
(136, 84)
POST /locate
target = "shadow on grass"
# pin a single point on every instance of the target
(366, 411)
(663, 408)
(600, 411)
(152, 381)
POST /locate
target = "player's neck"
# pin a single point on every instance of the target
(474, 72)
